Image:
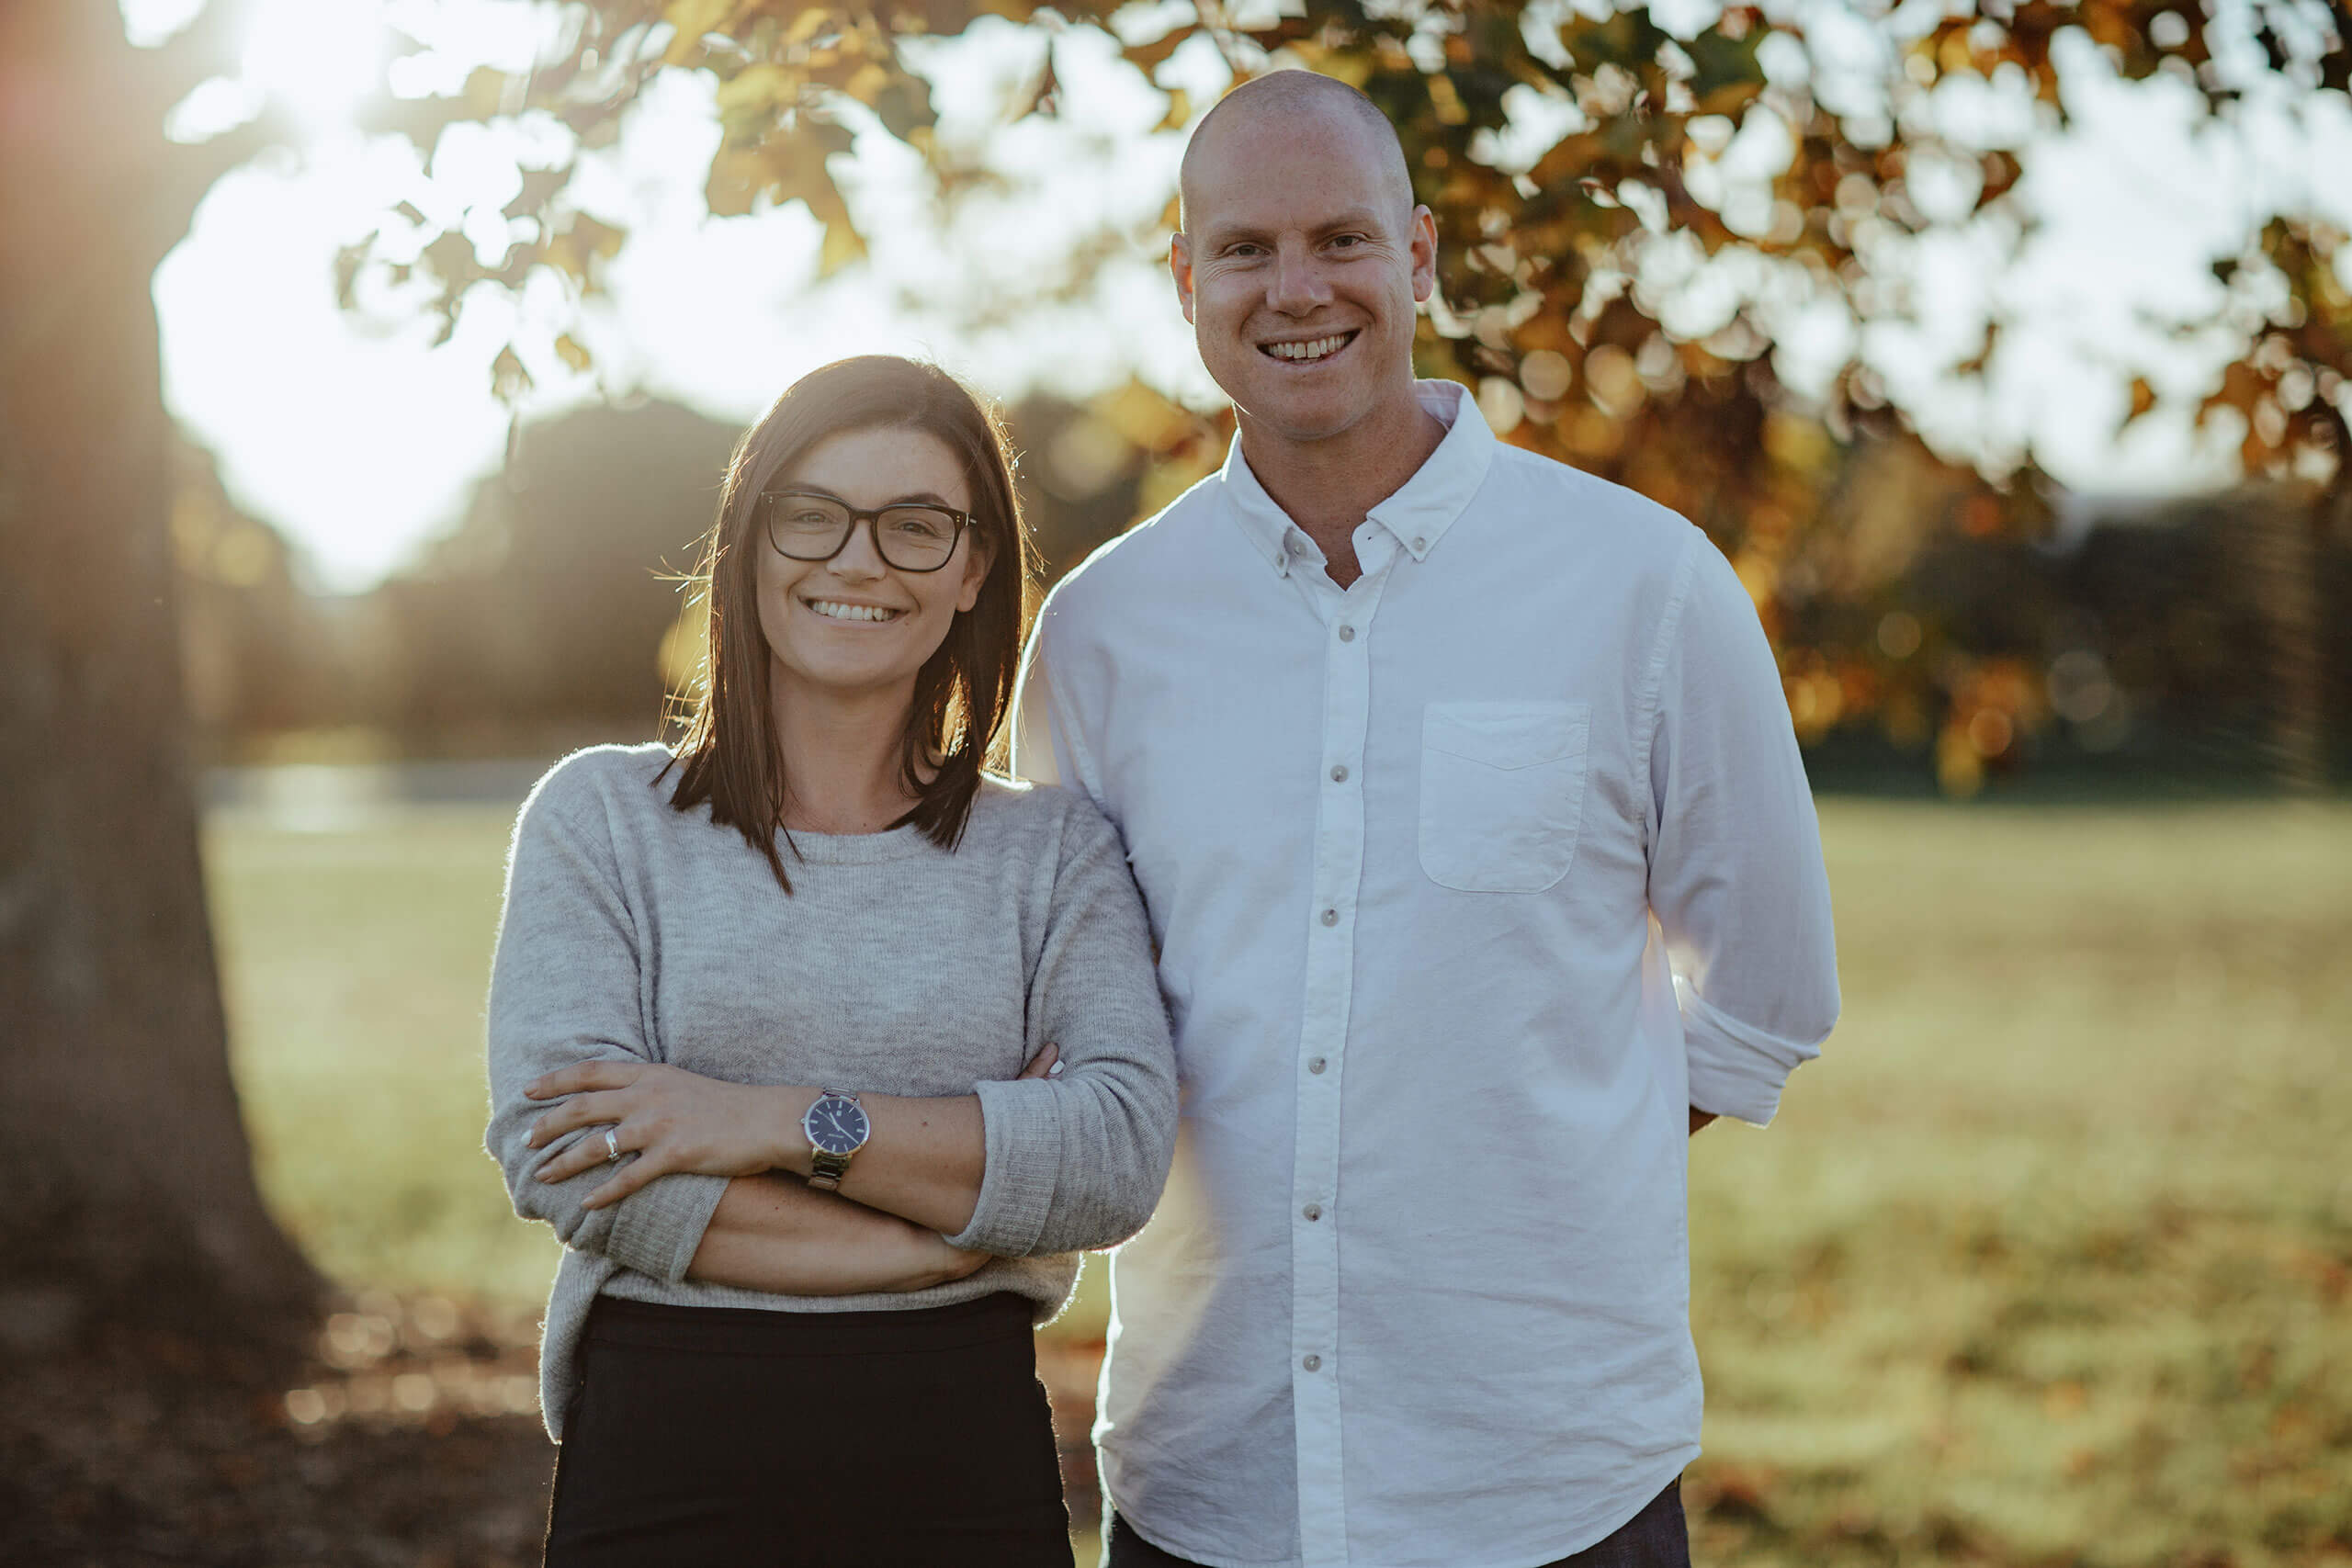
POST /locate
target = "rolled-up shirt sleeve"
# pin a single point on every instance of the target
(1735, 875)
(563, 990)
(1078, 1160)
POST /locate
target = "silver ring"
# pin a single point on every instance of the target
(612, 1144)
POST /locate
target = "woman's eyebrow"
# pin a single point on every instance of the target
(917, 498)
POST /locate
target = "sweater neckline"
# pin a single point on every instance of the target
(902, 842)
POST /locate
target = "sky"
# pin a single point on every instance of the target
(360, 438)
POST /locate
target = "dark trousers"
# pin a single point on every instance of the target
(1655, 1537)
(723, 1437)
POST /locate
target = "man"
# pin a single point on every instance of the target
(1428, 755)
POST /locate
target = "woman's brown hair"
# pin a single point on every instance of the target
(728, 756)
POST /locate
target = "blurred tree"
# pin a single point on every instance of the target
(1607, 299)
(257, 650)
(130, 1185)
(546, 613)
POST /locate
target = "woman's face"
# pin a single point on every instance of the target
(856, 626)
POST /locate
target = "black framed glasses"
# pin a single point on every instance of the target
(809, 525)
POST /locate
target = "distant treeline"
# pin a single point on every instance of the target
(2203, 640)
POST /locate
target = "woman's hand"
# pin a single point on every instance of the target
(676, 1121)
(671, 1119)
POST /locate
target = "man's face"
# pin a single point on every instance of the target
(1299, 266)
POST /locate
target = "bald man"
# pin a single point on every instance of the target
(1463, 793)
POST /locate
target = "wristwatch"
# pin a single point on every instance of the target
(837, 1128)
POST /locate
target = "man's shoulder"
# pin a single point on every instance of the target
(1141, 557)
(1600, 510)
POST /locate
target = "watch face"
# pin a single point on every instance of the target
(836, 1124)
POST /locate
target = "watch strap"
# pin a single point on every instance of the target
(826, 1169)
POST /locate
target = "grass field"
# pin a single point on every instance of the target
(2047, 1262)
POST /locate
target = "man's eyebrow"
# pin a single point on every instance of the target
(1228, 232)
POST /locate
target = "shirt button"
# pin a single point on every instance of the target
(1330, 917)
(1421, 544)
(1312, 1363)
(1298, 546)
(1340, 774)
(1315, 1065)
(1347, 634)
(1312, 1210)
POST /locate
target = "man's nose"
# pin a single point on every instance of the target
(1296, 286)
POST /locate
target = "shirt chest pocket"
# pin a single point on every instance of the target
(1502, 793)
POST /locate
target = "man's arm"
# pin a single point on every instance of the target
(1735, 872)
(1034, 733)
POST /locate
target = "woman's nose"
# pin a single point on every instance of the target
(860, 555)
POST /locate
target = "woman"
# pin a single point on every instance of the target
(822, 1049)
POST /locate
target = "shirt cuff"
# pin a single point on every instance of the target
(1735, 1070)
(658, 1228)
(1021, 1124)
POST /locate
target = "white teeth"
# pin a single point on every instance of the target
(834, 609)
(1315, 349)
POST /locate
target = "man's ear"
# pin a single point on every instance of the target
(1424, 252)
(1179, 267)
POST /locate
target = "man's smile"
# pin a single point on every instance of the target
(1308, 351)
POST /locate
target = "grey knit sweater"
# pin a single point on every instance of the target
(636, 932)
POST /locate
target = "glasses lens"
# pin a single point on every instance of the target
(808, 526)
(919, 538)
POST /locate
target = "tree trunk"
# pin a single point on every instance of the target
(2283, 555)
(128, 1180)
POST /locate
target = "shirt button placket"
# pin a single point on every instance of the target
(1338, 873)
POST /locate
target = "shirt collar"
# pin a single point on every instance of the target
(1419, 513)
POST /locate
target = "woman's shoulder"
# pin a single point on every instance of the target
(598, 779)
(1038, 814)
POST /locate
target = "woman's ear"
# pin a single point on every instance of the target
(982, 556)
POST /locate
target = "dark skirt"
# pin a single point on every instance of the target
(723, 1436)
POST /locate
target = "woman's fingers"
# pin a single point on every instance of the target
(631, 1176)
(581, 1111)
(587, 1153)
(583, 1076)
(1045, 1064)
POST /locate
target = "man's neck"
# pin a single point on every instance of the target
(1330, 485)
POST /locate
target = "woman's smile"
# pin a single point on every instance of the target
(851, 612)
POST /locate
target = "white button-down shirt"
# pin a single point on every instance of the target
(1466, 880)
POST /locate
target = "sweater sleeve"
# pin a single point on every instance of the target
(563, 989)
(1077, 1161)
(1735, 871)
